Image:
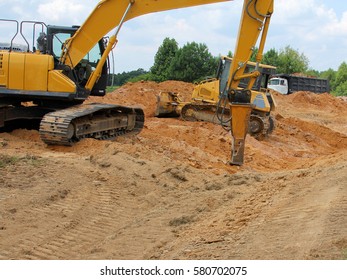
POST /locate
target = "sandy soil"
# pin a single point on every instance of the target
(168, 193)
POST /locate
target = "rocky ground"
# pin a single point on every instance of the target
(168, 193)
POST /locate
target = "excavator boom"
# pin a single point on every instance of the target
(254, 22)
(108, 14)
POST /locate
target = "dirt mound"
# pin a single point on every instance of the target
(323, 101)
(169, 192)
(144, 94)
(307, 100)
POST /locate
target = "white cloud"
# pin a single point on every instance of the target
(67, 11)
(288, 10)
(336, 27)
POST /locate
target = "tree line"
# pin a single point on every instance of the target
(194, 62)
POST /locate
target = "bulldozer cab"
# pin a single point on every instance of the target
(261, 83)
(210, 90)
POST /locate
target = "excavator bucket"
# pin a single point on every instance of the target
(241, 113)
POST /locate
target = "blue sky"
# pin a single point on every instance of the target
(317, 28)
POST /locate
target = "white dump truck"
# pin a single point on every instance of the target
(287, 84)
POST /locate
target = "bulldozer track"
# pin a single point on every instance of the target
(59, 127)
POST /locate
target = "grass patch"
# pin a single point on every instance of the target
(111, 89)
(6, 160)
(181, 221)
(344, 254)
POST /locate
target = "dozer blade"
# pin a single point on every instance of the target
(168, 105)
(241, 113)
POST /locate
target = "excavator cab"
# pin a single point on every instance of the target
(38, 43)
(56, 38)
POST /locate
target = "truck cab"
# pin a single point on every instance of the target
(278, 84)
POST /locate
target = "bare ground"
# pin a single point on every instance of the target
(168, 193)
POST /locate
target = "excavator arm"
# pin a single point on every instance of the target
(109, 14)
(254, 22)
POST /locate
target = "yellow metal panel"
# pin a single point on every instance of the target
(239, 127)
(58, 82)
(4, 68)
(36, 71)
(260, 101)
(207, 91)
(16, 70)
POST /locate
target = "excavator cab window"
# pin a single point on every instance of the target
(58, 42)
(57, 35)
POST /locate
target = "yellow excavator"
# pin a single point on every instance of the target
(205, 104)
(66, 65)
(69, 64)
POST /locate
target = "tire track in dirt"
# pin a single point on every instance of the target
(332, 244)
(96, 217)
(82, 217)
(300, 218)
(104, 214)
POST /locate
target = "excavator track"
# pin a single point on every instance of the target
(260, 126)
(95, 120)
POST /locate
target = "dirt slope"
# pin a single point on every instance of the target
(168, 193)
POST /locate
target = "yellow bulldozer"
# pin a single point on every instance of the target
(205, 104)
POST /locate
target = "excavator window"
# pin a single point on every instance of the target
(92, 57)
(58, 41)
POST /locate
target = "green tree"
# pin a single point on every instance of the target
(341, 74)
(163, 59)
(192, 62)
(121, 78)
(340, 83)
(254, 54)
(341, 89)
(230, 54)
(312, 72)
(330, 75)
(291, 61)
(270, 57)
